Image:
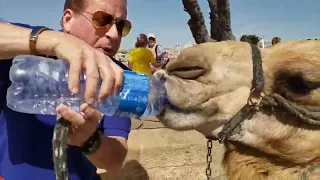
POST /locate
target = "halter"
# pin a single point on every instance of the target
(308, 115)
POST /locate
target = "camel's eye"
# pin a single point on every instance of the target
(297, 84)
(188, 72)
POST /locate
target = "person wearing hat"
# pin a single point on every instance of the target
(141, 57)
(158, 53)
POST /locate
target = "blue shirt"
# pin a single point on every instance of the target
(26, 140)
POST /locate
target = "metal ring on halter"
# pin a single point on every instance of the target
(252, 95)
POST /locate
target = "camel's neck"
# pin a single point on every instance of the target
(270, 146)
(289, 139)
(242, 162)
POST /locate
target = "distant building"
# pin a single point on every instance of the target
(189, 44)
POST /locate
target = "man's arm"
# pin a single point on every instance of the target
(159, 52)
(113, 149)
(153, 61)
(14, 40)
(111, 154)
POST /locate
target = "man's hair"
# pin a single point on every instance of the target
(76, 5)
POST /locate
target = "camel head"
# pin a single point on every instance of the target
(207, 84)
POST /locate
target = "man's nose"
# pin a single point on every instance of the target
(112, 32)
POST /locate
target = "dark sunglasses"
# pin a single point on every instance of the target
(152, 39)
(101, 19)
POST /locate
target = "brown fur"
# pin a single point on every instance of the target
(208, 83)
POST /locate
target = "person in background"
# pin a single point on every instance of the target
(92, 33)
(275, 40)
(159, 54)
(141, 57)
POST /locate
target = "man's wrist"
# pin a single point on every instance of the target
(47, 42)
(33, 37)
(92, 144)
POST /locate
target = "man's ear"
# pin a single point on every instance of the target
(67, 20)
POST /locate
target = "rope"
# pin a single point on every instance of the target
(257, 80)
(141, 125)
(307, 115)
(60, 144)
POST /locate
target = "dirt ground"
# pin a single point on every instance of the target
(157, 153)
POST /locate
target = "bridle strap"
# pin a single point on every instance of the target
(309, 115)
(233, 126)
(258, 80)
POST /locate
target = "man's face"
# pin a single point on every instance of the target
(106, 39)
(152, 42)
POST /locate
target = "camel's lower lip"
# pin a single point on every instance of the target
(171, 107)
(177, 109)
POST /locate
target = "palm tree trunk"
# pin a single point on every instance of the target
(220, 20)
(196, 21)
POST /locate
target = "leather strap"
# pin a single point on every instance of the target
(232, 127)
(34, 37)
(92, 144)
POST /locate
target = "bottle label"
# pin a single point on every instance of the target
(133, 99)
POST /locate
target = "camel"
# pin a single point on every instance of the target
(275, 40)
(210, 84)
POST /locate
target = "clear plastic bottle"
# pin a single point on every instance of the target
(39, 84)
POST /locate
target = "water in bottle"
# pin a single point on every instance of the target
(39, 84)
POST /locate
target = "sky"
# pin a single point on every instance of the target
(288, 19)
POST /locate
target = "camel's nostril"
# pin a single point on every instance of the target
(162, 78)
(160, 75)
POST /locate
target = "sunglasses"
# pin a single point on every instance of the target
(101, 19)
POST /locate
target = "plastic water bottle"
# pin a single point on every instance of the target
(40, 84)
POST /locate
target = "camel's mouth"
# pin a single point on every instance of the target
(177, 118)
(184, 110)
(177, 109)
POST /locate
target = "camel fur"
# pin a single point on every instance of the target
(207, 84)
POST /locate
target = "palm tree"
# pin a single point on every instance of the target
(219, 20)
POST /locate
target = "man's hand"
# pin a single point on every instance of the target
(14, 40)
(112, 151)
(82, 56)
(83, 126)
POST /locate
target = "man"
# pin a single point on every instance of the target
(92, 34)
(158, 53)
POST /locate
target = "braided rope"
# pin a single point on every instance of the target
(60, 144)
(307, 115)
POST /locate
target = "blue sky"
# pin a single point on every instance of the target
(288, 19)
